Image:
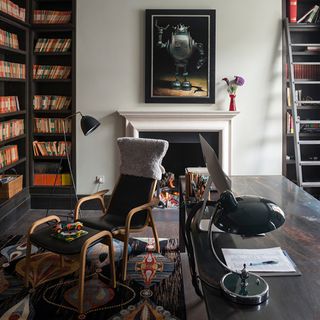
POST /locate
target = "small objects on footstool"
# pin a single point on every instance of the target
(68, 231)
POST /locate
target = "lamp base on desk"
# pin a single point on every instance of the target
(254, 291)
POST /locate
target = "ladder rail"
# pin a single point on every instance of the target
(296, 125)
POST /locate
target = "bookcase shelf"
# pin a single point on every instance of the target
(12, 165)
(305, 48)
(52, 27)
(12, 114)
(53, 112)
(58, 135)
(13, 21)
(53, 158)
(53, 80)
(11, 50)
(12, 79)
(4, 142)
(52, 53)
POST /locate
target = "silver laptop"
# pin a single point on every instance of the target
(221, 181)
(219, 178)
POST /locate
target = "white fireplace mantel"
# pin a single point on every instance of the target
(184, 121)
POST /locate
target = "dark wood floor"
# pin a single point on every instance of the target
(167, 222)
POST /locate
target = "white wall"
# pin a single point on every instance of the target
(110, 77)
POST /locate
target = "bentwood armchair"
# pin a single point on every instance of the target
(132, 200)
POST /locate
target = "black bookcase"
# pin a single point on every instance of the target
(28, 32)
(303, 33)
(43, 86)
(16, 87)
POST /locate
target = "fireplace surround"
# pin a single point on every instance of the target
(138, 122)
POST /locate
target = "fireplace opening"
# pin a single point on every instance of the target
(184, 151)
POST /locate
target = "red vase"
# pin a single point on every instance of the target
(232, 106)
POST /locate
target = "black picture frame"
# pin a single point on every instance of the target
(165, 57)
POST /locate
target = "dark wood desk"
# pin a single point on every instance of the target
(291, 297)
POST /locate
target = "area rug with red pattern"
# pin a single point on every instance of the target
(154, 289)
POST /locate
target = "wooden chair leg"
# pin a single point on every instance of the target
(83, 255)
(81, 281)
(112, 263)
(125, 257)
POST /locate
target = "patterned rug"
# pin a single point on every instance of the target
(154, 289)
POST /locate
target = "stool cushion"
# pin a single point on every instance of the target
(44, 239)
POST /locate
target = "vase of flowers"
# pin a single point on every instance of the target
(232, 90)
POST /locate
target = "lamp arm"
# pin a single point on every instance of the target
(212, 246)
(72, 115)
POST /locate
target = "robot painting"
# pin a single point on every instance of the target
(180, 56)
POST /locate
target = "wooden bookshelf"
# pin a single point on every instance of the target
(52, 54)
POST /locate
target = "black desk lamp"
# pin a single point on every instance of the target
(245, 215)
(248, 216)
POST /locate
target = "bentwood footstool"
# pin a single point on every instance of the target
(77, 248)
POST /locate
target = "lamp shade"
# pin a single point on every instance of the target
(247, 215)
(89, 124)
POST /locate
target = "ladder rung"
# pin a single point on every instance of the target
(308, 121)
(306, 63)
(309, 101)
(310, 184)
(310, 163)
(309, 142)
(306, 81)
(305, 44)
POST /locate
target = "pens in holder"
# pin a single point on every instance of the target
(262, 263)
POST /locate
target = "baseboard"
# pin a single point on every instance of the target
(62, 201)
(12, 209)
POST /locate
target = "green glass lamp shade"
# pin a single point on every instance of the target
(89, 124)
(247, 215)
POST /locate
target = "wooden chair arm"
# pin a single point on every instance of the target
(135, 210)
(42, 221)
(95, 196)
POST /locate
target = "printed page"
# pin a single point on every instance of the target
(258, 260)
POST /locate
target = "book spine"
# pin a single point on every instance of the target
(293, 9)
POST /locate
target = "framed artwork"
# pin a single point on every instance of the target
(180, 56)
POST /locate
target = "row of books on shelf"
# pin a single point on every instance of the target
(52, 45)
(304, 128)
(52, 179)
(12, 70)
(9, 104)
(311, 16)
(8, 155)
(13, 9)
(289, 123)
(52, 125)
(51, 72)
(9, 39)
(310, 128)
(305, 71)
(51, 16)
(51, 148)
(298, 97)
(12, 128)
(49, 102)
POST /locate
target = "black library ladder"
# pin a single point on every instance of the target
(302, 76)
